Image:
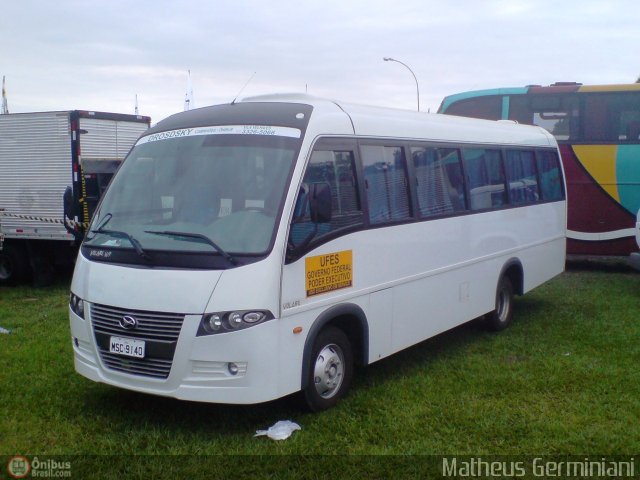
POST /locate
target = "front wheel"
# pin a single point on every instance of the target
(330, 369)
(501, 317)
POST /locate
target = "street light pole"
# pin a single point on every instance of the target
(389, 59)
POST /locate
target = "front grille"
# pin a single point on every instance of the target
(159, 330)
(151, 325)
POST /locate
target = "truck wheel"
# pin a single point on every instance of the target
(14, 264)
(43, 272)
(330, 370)
(501, 317)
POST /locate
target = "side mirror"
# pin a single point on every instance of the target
(302, 204)
(314, 199)
(320, 202)
(67, 204)
(69, 212)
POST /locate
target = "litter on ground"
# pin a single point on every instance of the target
(280, 430)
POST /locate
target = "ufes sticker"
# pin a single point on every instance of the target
(328, 272)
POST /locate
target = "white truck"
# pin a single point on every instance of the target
(44, 155)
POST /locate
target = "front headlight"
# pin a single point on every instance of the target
(77, 305)
(224, 322)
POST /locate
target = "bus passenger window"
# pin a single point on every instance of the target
(612, 117)
(485, 178)
(521, 172)
(439, 181)
(385, 175)
(632, 130)
(550, 179)
(520, 110)
(557, 114)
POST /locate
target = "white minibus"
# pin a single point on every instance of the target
(247, 251)
(634, 259)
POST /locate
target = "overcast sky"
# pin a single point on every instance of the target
(97, 55)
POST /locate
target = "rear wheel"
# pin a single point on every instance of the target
(502, 316)
(330, 369)
(14, 264)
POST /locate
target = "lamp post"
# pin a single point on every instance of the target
(389, 59)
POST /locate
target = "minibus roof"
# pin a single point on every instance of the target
(338, 118)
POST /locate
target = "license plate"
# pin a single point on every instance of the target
(127, 346)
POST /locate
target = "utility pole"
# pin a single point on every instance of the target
(188, 97)
(5, 107)
(389, 59)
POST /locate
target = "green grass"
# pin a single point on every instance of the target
(564, 379)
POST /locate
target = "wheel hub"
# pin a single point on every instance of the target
(329, 371)
(503, 305)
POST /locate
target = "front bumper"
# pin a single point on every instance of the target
(200, 368)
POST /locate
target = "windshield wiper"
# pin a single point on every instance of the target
(107, 217)
(117, 233)
(196, 236)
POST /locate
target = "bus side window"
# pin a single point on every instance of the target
(560, 115)
(485, 178)
(520, 110)
(632, 130)
(336, 169)
(385, 174)
(439, 181)
(521, 172)
(613, 117)
(550, 179)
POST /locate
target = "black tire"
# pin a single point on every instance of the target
(14, 264)
(43, 271)
(330, 369)
(502, 316)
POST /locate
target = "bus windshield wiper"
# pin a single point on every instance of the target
(106, 219)
(196, 236)
(117, 233)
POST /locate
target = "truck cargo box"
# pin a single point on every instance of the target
(43, 153)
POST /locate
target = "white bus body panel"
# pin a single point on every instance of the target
(434, 275)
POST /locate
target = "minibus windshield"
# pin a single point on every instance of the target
(216, 194)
